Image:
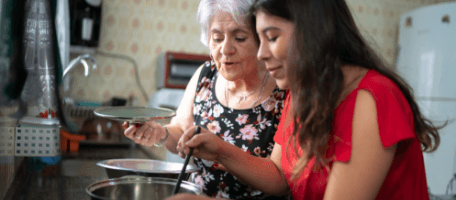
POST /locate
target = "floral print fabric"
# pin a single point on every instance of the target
(250, 129)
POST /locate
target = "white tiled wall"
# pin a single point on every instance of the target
(143, 29)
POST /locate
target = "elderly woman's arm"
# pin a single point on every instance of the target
(184, 114)
(264, 174)
(150, 133)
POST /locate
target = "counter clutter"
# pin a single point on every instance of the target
(69, 177)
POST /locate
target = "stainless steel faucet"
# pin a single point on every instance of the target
(81, 59)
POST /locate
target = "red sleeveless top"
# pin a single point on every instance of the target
(406, 178)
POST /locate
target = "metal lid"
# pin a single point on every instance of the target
(134, 114)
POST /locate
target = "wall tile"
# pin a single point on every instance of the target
(378, 22)
(143, 29)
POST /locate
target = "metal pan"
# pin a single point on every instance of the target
(116, 168)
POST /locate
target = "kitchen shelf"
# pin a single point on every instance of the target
(82, 50)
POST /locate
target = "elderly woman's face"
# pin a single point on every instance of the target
(233, 47)
(275, 35)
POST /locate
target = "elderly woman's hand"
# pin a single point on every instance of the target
(148, 133)
(206, 144)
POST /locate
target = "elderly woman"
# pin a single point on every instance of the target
(232, 96)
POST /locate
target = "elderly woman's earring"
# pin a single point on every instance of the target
(210, 55)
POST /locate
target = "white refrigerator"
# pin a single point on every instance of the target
(427, 60)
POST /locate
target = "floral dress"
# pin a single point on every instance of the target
(250, 129)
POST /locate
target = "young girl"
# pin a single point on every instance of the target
(350, 128)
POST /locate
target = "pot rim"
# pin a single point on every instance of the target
(139, 179)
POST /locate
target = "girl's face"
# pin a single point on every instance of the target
(275, 34)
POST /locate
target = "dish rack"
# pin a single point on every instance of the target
(37, 141)
(6, 141)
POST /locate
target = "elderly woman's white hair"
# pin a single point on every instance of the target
(208, 8)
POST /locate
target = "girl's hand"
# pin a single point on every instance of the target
(206, 144)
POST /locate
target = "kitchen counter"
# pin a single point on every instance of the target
(67, 179)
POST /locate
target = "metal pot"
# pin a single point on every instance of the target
(116, 168)
(137, 188)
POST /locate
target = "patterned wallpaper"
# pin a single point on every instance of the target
(378, 21)
(143, 29)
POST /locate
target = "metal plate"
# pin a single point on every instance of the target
(134, 114)
(146, 166)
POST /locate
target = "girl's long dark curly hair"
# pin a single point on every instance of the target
(326, 38)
